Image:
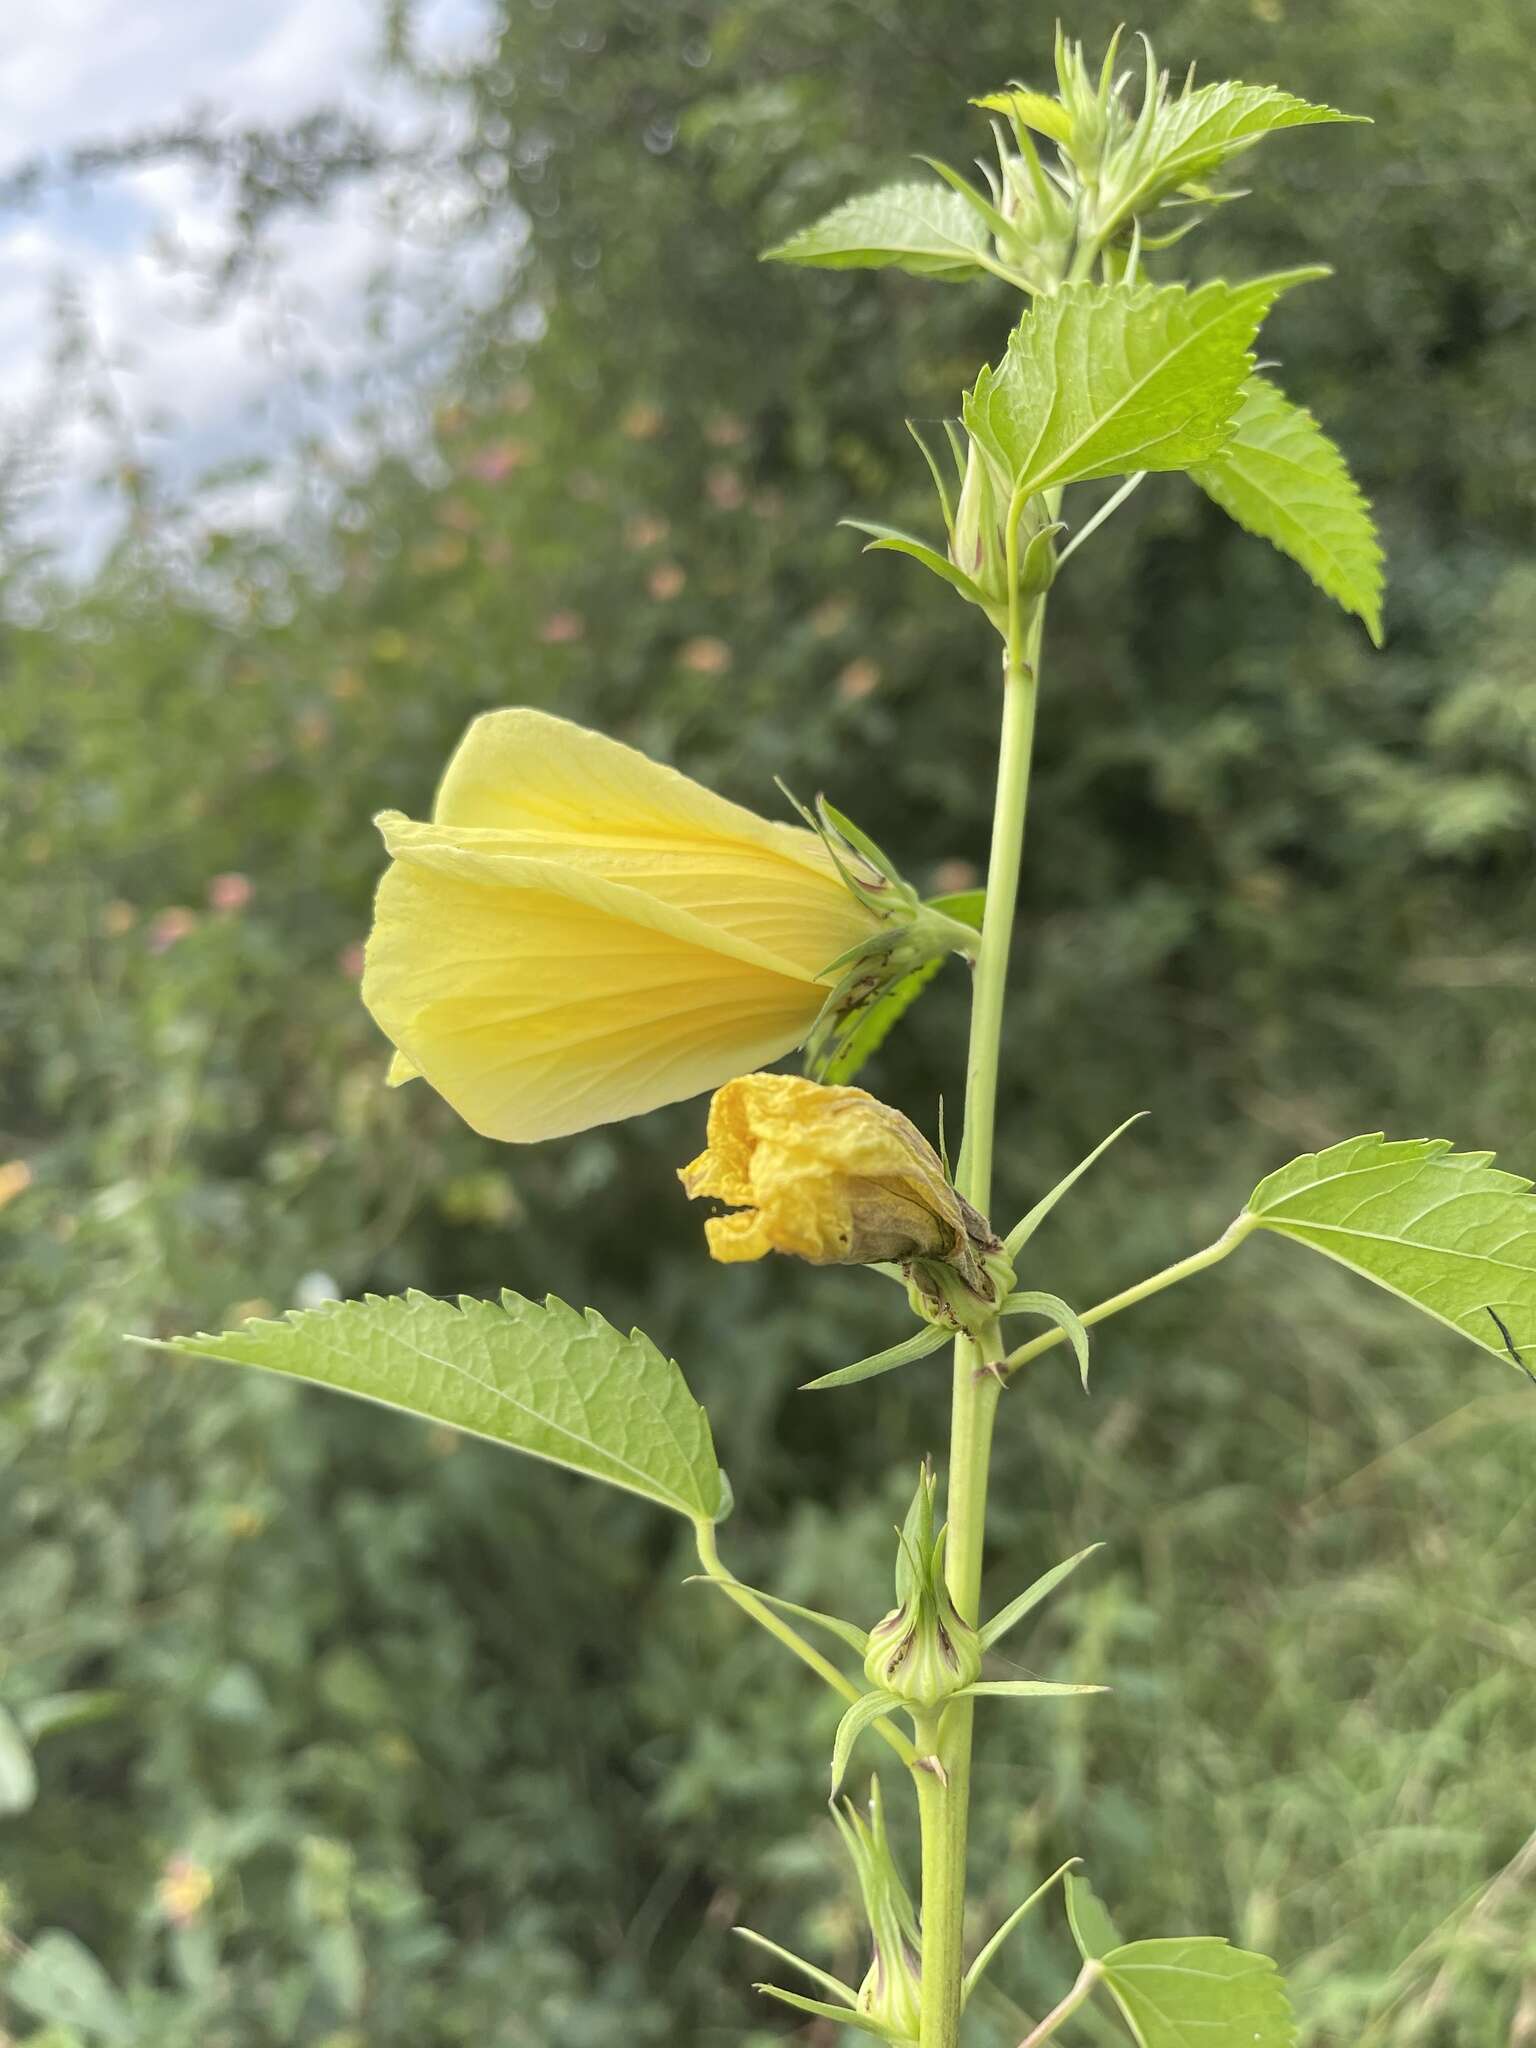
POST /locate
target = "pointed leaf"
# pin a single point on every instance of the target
(983, 209)
(1023, 1689)
(927, 1339)
(1037, 110)
(862, 2020)
(1010, 1616)
(846, 1631)
(979, 1967)
(889, 540)
(868, 1708)
(1446, 1230)
(1032, 1302)
(824, 1978)
(1283, 479)
(542, 1379)
(1100, 380)
(967, 906)
(1026, 1226)
(918, 227)
(1192, 136)
(1087, 1915)
(1199, 1992)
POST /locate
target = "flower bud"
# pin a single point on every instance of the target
(892, 1991)
(834, 1176)
(978, 543)
(923, 1650)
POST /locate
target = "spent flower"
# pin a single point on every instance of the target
(837, 1177)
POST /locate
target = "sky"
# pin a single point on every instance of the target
(167, 374)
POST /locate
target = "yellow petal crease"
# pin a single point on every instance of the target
(577, 962)
(559, 792)
(831, 1175)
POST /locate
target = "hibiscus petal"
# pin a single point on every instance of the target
(540, 1000)
(548, 789)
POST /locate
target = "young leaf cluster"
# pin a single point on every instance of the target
(1072, 228)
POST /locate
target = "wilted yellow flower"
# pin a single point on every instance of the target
(581, 935)
(831, 1175)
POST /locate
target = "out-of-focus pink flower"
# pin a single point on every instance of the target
(230, 893)
(170, 926)
(951, 876)
(646, 530)
(725, 489)
(350, 960)
(725, 431)
(665, 580)
(860, 679)
(498, 461)
(642, 422)
(831, 616)
(706, 656)
(561, 628)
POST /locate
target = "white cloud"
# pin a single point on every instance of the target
(167, 371)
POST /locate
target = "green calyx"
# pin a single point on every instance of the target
(924, 1651)
(877, 978)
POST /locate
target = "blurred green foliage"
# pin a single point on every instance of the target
(354, 1737)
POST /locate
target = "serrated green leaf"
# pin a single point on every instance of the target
(1026, 1602)
(868, 1708)
(917, 1346)
(540, 1378)
(58, 1979)
(1087, 1915)
(1032, 1302)
(1192, 136)
(1199, 1992)
(1280, 477)
(1445, 1230)
(925, 229)
(18, 1775)
(1100, 380)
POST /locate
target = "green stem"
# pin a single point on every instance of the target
(1080, 1993)
(791, 1638)
(1197, 1262)
(946, 1818)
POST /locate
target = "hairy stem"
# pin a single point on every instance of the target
(790, 1637)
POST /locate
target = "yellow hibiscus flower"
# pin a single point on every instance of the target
(581, 934)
